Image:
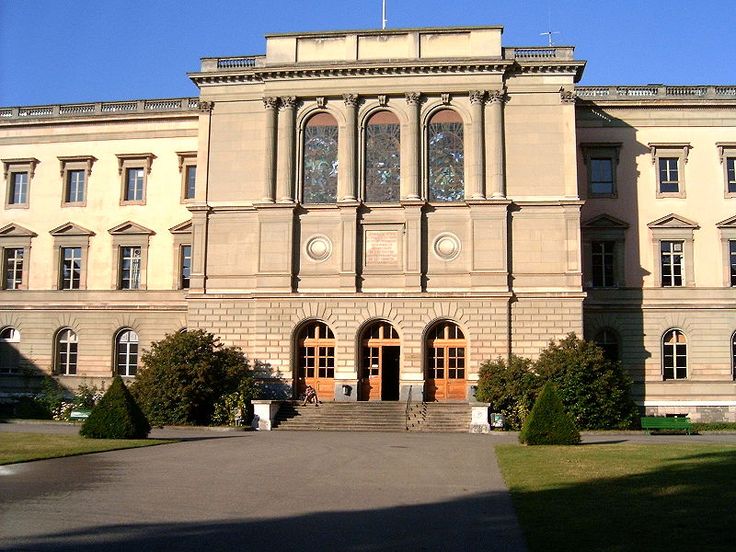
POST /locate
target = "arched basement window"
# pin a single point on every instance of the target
(382, 158)
(9, 355)
(319, 160)
(674, 355)
(126, 353)
(66, 352)
(446, 157)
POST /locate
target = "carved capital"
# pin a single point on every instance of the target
(567, 96)
(446, 98)
(382, 100)
(496, 96)
(205, 107)
(351, 100)
(413, 98)
(288, 102)
(270, 103)
(321, 102)
(477, 96)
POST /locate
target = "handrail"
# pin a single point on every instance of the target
(408, 406)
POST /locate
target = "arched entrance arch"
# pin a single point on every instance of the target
(380, 351)
(446, 372)
(316, 360)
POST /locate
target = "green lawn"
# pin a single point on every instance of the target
(624, 497)
(21, 447)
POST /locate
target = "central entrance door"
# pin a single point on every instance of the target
(379, 371)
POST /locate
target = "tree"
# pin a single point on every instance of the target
(510, 388)
(548, 423)
(186, 374)
(116, 416)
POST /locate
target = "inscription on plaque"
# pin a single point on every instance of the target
(381, 247)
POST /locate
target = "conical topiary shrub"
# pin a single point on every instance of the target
(548, 423)
(116, 416)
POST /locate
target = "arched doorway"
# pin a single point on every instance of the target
(445, 363)
(379, 365)
(316, 367)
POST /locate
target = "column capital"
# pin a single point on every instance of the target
(413, 98)
(351, 100)
(567, 96)
(477, 96)
(496, 96)
(270, 102)
(288, 102)
(206, 107)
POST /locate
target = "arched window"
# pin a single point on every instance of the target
(446, 157)
(316, 344)
(126, 353)
(607, 340)
(382, 158)
(319, 160)
(9, 355)
(674, 355)
(66, 352)
(445, 362)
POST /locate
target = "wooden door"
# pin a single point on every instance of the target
(375, 338)
(446, 363)
(316, 367)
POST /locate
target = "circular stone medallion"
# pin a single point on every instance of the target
(446, 246)
(319, 248)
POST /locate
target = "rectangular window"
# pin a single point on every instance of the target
(71, 268)
(130, 268)
(134, 184)
(731, 174)
(190, 183)
(74, 192)
(18, 188)
(732, 260)
(669, 179)
(186, 265)
(13, 268)
(601, 176)
(672, 263)
(603, 263)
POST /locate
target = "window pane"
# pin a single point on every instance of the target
(13, 268)
(382, 158)
(320, 160)
(19, 188)
(75, 187)
(446, 157)
(134, 185)
(186, 265)
(601, 176)
(191, 176)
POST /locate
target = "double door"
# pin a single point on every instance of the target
(380, 363)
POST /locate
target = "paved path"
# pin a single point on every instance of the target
(265, 491)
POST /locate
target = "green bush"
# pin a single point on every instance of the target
(548, 423)
(509, 388)
(187, 374)
(593, 389)
(116, 416)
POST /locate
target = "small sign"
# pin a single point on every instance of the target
(381, 247)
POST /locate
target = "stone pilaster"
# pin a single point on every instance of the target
(347, 183)
(476, 178)
(495, 145)
(271, 106)
(285, 156)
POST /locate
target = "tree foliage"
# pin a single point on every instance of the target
(116, 416)
(510, 388)
(548, 423)
(186, 374)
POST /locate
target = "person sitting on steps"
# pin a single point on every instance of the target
(310, 395)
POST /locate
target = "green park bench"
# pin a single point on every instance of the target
(649, 423)
(79, 414)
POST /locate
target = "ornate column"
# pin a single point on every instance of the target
(476, 177)
(287, 131)
(347, 183)
(411, 180)
(269, 173)
(495, 144)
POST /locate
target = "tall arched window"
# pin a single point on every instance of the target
(316, 344)
(9, 355)
(319, 160)
(607, 340)
(126, 353)
(445, 362)
(66, 352)
(382, 158)
(446, 157)
(674, 355)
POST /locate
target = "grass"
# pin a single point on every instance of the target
(23, 447)
(620, 497)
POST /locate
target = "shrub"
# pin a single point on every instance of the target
(548, 423)
(186, 374)
(593, 389)
(116, 416)
(509, 388)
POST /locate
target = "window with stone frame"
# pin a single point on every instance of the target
(319, 159)
(669, 161)
(672, 263)
(70, 271)
(18, 174)
(129, 269)
(66, 352)
(445, 157)
(126, 353)
(185, 266)
(601, 161)
(13, 263)
(727, 155)
(130, 254)
(134, 169)
(603, 261)
(188, 171)
(71, 247)
(382, 158)
(15, 249)
(673, 241)
(603, 251)
(674, 355)
(608, 341)
(75, 172)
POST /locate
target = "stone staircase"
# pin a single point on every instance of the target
(374, 416)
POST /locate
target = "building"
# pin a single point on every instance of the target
(376, 213)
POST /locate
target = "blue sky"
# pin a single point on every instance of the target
(62, 51)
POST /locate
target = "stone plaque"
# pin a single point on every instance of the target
(381, 247)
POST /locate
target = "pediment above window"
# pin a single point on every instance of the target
(605, 221)
(70, 229)
(730, 222)
(13, 230)
(130, 228)
(673, 221)
(182, 228)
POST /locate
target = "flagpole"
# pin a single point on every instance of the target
(383, 15)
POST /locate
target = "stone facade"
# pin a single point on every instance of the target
(375, 212)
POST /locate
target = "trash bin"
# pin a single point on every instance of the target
(498, 421)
